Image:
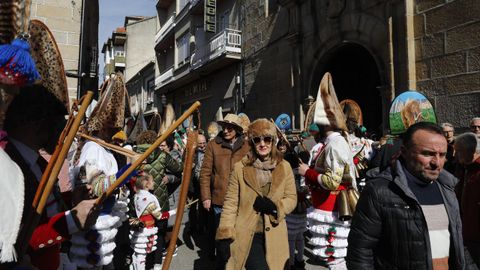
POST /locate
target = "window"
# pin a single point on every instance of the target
(150, 89)
(183, 48)
(223, 21)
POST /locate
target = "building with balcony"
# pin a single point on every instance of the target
(199, 59)
(140, 64)
(114, 52)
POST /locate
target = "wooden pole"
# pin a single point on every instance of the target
(115, 148)
(52, 161)
(187, 173)
(152, 148)
(36, 213)
(52, 178)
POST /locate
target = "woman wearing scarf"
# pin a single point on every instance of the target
(261, 191)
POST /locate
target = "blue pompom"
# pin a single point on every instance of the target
(16, 64)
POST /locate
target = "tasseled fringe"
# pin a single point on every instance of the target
(17, 66)
(7, 252)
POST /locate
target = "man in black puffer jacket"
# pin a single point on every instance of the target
(408, 216)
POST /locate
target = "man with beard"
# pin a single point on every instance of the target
(34, 121)
(408, 216)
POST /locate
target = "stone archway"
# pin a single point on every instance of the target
(355, 76)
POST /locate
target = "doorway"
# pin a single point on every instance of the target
(355, 76)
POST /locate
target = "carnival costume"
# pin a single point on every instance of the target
(97, 167)
(24, 167)
(333, 173)
(144, 240)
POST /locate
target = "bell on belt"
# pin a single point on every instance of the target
(352, 199)
(344, 211)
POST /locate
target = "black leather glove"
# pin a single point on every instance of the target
(265, 206)
(223, 249)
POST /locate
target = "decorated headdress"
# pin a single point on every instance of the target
(409, 108)
(283, 122)
(45, 55)
(16, 64)
(327, 108)
(168, 118)
(352, 110)
(110, 109)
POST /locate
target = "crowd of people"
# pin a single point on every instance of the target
(409, 201)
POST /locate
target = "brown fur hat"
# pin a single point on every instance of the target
(262, 127)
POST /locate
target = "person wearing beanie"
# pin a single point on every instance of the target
(261, 192)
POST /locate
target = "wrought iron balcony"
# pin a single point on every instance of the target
(166, 28)
(164, 78)
(227, 43)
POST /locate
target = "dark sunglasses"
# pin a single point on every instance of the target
(475, 127)
(228, 127)
(266, 139)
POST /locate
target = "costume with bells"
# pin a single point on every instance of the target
(333, 174)
(54, 226)
(97, 166)
(144, 240)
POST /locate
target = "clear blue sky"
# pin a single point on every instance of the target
(112, 15)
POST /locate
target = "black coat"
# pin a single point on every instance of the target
(389, 230)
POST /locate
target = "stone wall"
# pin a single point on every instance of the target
(63, 18)
(447, 41)
(267, 58)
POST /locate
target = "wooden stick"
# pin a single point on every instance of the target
(187, 172)
(52, 179)
(113, 147)
(152, 148)
(36, 212)
(52, 161)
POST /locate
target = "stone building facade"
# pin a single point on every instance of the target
(63, 18)
(447, 43)
(375, 50)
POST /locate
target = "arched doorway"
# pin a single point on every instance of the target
(355, 76)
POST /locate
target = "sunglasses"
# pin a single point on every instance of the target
(228, 127)
(475, 127)
(265, 139)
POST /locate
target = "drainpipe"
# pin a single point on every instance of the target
(409, 16)
(80, 53)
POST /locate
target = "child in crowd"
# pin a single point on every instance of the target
(144, 237)
(297, 219)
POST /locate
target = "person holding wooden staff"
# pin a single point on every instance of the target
(34, 121)
(253, 232)
(97, 167)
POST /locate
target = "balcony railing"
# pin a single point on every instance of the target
(227, 41)
(164, 78)
(165, 29)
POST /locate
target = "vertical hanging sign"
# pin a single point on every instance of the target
(210, 16)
